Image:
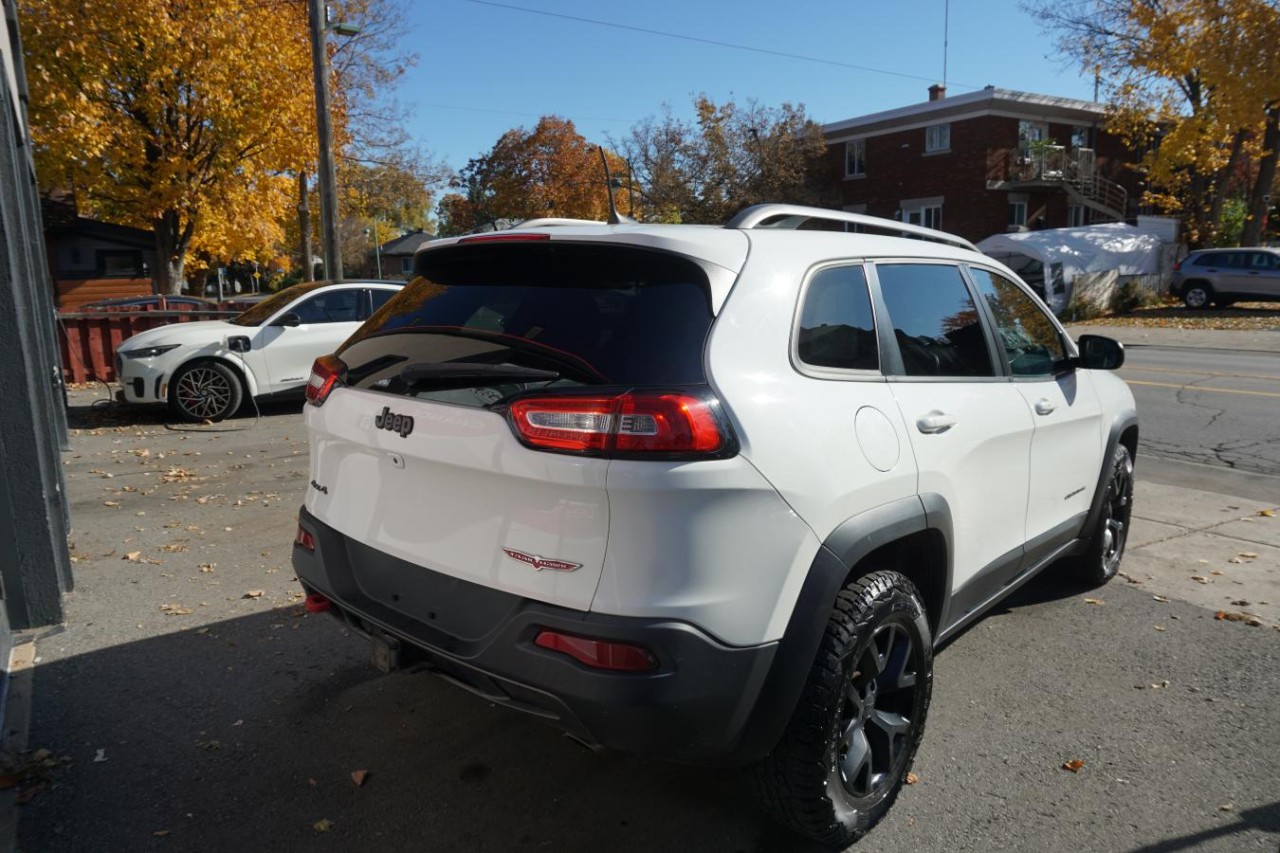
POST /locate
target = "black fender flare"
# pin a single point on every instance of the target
(843, 549)
(1119, 426)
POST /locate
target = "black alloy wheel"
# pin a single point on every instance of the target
(846, 751)
(1100, 561)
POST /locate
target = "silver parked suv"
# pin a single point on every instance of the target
(1226, 276)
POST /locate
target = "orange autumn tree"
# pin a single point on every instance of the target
(177, 117)
(551, 170)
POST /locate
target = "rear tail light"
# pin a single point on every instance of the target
(680, 424)
(304, 539)
(326, 373)
(1177, 265)
(598, 654)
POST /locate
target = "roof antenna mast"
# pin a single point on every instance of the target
(615, 218)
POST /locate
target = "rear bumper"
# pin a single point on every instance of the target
(702, 702)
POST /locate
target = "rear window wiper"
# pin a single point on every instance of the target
(465, 373)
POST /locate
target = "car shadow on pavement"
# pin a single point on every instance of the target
(1265, 818)
(246, 733)
(88, 410)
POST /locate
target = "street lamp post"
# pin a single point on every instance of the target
(327, 177)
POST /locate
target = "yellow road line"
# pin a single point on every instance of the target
(1204, 388)
(1262, 376)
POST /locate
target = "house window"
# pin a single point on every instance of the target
(1029, 133)
(1017, 214)
(937, 137)
(855, 208)
(855, 158)
(1075, 215)
(120, 264)
(1079, 138)
(922, 211)
(406, 264)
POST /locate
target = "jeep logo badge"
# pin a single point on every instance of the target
(402, 424)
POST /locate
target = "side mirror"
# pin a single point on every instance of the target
(291, 319)
(1100, 353)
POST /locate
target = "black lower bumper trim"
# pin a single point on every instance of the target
(695, 706)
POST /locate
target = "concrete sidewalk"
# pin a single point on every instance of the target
(1228, 339)
(1208, 549)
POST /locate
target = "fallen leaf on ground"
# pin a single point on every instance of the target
(209, 745)
(1094, 601)
(254, 593)
(358, 776)
(175, 610)
(322, 825)
(1248, 555)
(1226, 807)
(1160, 598)
(111, 503)
(1160, 684)
(1267, 513)
(161, 833)
(1073, 765)
(208, 567)
(1199, 579)
(1160, 628)
(133, 556)
(912, 778)
(1233, 616)
(100, 757)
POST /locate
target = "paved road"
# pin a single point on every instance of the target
(1216, 407)
(199, 719)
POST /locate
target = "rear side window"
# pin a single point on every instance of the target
(836, 328)
(594, 314)
(935, 321)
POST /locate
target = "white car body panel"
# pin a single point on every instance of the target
(464, 490)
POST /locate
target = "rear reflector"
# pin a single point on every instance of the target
(317, 603)
(626, 423)
(305, 540)
(1177, 265)
(325, 374)
(598, 654)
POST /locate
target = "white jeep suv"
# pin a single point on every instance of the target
(710, 493)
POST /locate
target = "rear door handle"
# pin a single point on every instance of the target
(935, 422)
(1044, 407)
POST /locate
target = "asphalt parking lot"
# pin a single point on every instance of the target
(190, 703)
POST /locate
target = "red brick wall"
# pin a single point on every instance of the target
(898, 168)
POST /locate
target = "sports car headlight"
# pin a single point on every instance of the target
(148, 352)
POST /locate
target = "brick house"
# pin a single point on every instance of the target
(984, 162)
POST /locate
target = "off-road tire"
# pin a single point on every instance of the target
(205, 391)
(801, 783)
(1100, 560)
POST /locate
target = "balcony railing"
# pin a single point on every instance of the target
(1076, 169)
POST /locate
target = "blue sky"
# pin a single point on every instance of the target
(487, 67)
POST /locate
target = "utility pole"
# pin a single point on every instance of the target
(327, 177)
(304, 229)
(377, 247)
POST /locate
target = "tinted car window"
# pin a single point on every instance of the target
(1264, 261)
(259, 313)
(1212, 259)
(934, 321)
(334, 306)
(593, 314)
(836, 326)
(380, 297)
(1031, 342)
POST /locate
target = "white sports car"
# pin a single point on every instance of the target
(204, 370)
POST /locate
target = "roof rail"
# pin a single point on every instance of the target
(794, 216)
(544, 221)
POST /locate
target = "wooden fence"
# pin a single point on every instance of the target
(88, 340)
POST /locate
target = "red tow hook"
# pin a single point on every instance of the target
(317, 603)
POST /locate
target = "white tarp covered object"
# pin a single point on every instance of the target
(1053, 257)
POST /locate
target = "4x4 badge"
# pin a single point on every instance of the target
(541, 563)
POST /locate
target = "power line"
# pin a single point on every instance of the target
(507, 112)
(715, 42)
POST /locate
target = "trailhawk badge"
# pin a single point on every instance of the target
(541, 563)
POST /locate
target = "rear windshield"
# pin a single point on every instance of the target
(591, 314)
